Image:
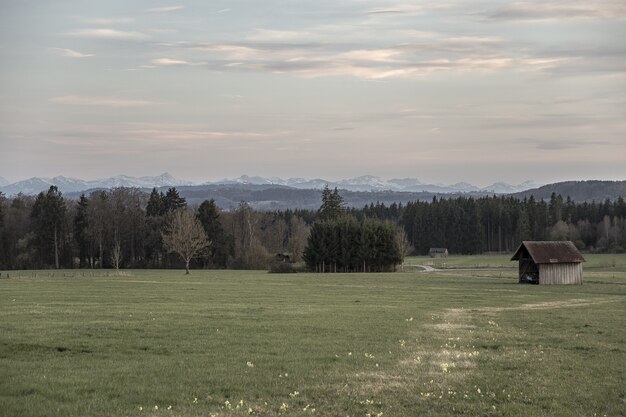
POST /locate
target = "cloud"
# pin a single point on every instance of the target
(556, 145)
(70, 53)
(166, 132)
(262, 35)
(168, 62)
(559, 11)
(105, 33)
(166, 9)
(384, 11)
(408, 60)
(107, 21)
(100, 101)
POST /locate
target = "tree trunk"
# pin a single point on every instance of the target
(56, 249)
(101, 255)
(187, 267)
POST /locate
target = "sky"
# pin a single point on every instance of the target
(443, 91)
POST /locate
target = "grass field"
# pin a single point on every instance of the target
(466, 342)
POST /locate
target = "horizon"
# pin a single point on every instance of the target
(533, 183)
(445, 92)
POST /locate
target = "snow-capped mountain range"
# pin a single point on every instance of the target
(35, 185)
(373, 183)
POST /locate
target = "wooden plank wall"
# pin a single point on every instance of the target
(569, 273)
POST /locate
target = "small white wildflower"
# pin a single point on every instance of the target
(156, 407)
(140, 408)
(250, 364)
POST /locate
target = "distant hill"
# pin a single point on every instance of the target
(579, 191)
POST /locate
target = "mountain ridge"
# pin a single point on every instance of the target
(34, 185)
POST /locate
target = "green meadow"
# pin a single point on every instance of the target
(465, 340)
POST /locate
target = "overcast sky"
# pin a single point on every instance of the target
(443, 91)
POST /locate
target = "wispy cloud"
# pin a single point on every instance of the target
(167, 132)
(107, 21)
(106, 33)
(70, 53)
(101, 101)
(397, 9)
(169, 62)
(262, 35)
(562, 144)
(560, 11)
(410, 60)
(383, 11)
(166, 9)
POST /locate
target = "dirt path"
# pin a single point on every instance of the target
(427, 268)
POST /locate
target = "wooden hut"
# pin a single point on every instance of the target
(549, 263)
(438, 253)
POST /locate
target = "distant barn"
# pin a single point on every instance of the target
(438, 253)
(549, 263)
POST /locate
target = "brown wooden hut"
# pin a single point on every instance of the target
(549, 263)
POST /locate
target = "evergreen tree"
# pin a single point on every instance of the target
(49, 216)
(332, 204)
(81, 227)
(220, 248)
(155, 205)
(173, 201)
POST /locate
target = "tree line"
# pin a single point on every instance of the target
(125, 227)
(499, 224)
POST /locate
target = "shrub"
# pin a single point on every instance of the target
(282, 268)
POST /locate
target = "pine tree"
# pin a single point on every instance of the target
(155, 205)
(209, 216)
(332, 204)
(81, 226)
(173, 201)
(49, 215)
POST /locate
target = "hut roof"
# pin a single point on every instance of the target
(550, 252)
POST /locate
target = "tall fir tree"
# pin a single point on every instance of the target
(49, 216)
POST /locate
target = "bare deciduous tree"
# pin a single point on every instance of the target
(185, 236)
(116, 255)
(404, 246)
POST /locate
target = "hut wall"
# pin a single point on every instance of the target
(566, 273)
